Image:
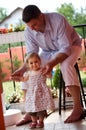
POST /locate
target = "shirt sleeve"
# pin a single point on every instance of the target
(64, 37)
(30, 42)
(25, 84)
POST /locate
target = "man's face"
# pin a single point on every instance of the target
(37, 24)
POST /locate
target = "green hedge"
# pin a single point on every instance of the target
(56, 78)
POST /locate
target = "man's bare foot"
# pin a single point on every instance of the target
(75, 116)
(24, 120)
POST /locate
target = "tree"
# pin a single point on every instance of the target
(3, 13)
(73, 16)
(68, 11)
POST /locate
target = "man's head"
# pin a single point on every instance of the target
(33, 17)
(30, 12)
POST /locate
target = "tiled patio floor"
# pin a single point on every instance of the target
(55, 122)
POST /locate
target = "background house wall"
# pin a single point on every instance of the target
(13, 18)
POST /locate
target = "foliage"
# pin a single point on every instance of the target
(68, 11)
(74, 16)
(54, 93)
(3, 75)
(83, 78)
(3, 13)
(16, 63)
(4, 48)
(84, 82)
(15, 97)
(19, 26)
(56, 78)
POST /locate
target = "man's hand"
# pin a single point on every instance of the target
(49, 66)
(17, 75)
(47, 69)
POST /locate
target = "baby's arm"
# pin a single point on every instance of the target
(25, 77)
(49, 75)
(24, 94)
(24, 86)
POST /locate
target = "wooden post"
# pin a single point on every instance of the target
(2, 125)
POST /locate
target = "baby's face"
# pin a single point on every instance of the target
(34, 63)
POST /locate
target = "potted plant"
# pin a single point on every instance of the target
(15, 101)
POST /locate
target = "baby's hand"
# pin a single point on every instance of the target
(46, 69)
(22, 79)
(49, 75)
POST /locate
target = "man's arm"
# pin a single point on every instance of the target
(58, 59)
(19, 73)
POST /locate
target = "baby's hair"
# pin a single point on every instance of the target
(31, 56)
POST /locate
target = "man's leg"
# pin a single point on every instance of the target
(77, 108)
(71, 81)
(24, 120)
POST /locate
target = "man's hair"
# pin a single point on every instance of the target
(30, 12)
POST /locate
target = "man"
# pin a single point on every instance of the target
(59, 44)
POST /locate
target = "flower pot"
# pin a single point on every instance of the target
(19, 106)
(56, 102)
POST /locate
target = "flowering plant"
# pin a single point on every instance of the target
(3, 30)
(54, 93)
(15, 97)
(12, 29)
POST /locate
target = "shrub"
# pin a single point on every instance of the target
(3, 75)
(56, 78)
(15, 97)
